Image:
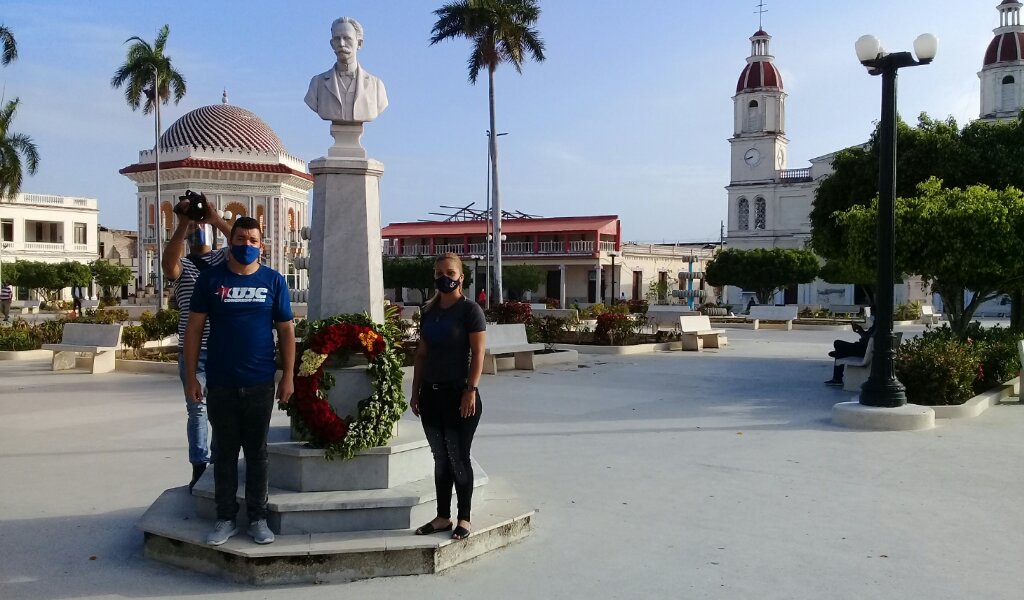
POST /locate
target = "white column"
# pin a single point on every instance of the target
(561, 286)
(345, 270)
(599, 298)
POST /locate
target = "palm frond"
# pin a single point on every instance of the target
(10, 47)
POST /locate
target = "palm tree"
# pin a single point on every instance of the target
(500, 31)
(10, 49)
(14, 146)
(140, 65)
(147, 70)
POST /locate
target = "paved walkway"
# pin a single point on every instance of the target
(674, 475)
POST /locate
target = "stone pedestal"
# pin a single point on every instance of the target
(345, 272)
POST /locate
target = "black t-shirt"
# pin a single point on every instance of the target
(446, 332)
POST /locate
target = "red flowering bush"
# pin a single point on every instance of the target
(510, 312)
(616, 328)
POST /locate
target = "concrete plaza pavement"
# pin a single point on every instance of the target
(670, 475)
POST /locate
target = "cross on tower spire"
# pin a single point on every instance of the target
(760, 13)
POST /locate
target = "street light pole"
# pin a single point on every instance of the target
(159, 216)
(883, 389)
(490, 221)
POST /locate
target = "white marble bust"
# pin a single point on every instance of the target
(346, 93)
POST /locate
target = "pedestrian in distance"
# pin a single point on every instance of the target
(245, 303)
(445, 391)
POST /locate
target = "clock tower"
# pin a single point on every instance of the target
(759, 142)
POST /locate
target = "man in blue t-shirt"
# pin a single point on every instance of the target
(245, 302)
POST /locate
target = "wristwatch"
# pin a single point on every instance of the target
(471, 388)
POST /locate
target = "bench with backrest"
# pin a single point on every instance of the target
(26, 306)
(508, 339)
(929, 316)
(101, 341)
(856, 370)
(667, 316)
(698, 334)
(850, 309)
(784, 314)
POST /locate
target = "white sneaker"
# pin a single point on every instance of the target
(260, 532)
(222, 532)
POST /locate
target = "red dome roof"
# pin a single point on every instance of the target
(759, 74)
(222, 126)
(1005, 47)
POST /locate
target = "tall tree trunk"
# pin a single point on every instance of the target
(495, 193)
(1017, 310)
(961, 313)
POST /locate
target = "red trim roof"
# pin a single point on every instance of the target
(217, 165)
(759, 74)
(602, 224)
(1005, 47)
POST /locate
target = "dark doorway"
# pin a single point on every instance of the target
(638, 280)
(789, 296)
(553, 287)
(662, 287)
(591, 286)
(861, 295)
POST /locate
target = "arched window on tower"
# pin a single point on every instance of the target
(167, 215)
(259, 218)
(743, 215)
(753, 122)
(759, 213)
(1008, 94)
(151, 221)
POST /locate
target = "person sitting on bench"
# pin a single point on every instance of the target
(844, 349)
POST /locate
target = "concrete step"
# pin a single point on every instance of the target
(174, 535)
(398, 507)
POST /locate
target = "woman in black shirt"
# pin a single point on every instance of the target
(449, 362)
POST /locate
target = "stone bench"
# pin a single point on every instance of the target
(929, 316)
(856, 370)
(508, 339)
(785, 314)
(698, 334)
(667, 316)
(101, 341)
(27, 307)
(850, 309)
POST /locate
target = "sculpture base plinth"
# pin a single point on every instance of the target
(347, 141)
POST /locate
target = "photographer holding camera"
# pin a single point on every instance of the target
(181, 264)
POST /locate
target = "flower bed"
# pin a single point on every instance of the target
(314, 419)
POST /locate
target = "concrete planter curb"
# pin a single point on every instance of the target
(146, 366)
(822, 327)
(26, 354)
(621, 350)
(980, 403)
(551, 359)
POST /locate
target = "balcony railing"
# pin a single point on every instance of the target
(44, 246)
(794, 175)
(81, 247)
(575, 248)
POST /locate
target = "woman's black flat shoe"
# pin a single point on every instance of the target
(429, 529)
(460, 533)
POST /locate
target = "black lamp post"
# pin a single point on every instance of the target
(882, 389)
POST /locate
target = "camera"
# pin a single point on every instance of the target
(197, 209)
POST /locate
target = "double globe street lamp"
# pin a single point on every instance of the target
(882, 389)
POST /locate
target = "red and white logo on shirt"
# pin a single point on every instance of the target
(242, 294)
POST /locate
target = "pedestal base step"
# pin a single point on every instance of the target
(174, 535)
(399, 507)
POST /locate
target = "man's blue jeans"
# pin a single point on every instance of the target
(198, 425)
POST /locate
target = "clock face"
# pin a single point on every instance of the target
(752, 157)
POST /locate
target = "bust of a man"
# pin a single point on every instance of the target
(346, 93)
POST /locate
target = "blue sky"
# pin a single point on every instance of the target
(630, 114)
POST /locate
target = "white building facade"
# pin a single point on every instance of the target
(239, 163)
(48, 228)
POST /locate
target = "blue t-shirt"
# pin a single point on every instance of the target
(241, 310)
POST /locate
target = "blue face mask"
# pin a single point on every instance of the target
(446, 285)
(245, 253)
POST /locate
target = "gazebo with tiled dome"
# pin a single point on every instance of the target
(1002, 72)
(237, 160)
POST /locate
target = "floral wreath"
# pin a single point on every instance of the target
(312, 415)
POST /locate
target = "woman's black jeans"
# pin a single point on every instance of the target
(450, 437)
(240, 418)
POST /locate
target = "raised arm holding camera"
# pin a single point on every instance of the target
(182, 264)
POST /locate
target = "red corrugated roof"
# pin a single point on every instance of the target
(217, 165)
(602, 224)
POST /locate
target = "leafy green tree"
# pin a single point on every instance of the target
(136, 74)
(765, 271)
(74, 273)
(500, 31)
(10, 47)
(110, 275)
(967, 242)
(519, 279)
(42, 278)
(416, 274)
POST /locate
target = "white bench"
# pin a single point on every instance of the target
(26, 306)
(667, 317)
(785, 314)
(929, 316)
(856, 370)
(698, 334)
(101, 341)
(508, 339)
(850, 309)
